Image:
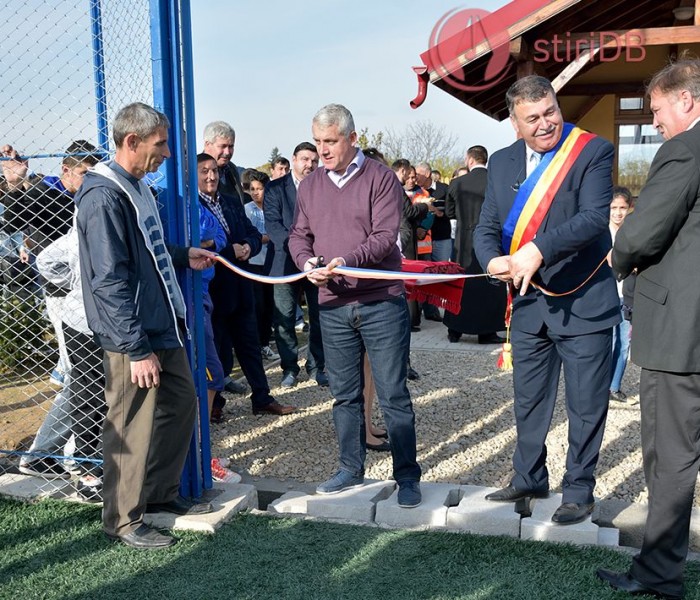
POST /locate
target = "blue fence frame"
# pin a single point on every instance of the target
(171, 52)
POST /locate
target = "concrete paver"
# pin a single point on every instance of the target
(432, 512)
(540, 527)
(475, 514)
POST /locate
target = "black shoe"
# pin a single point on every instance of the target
(144, 538)
(626, 583)
(434, 317)
(491, 338)
(180, 506)
(233, 387)
(453, 336)
(412, 374)
(572, 512)
(383, 447)
(511, 494)
(415, 328)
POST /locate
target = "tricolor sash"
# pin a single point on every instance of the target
(537, 192)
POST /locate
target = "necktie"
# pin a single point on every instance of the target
(535, 159)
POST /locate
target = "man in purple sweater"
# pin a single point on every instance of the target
(350, 210)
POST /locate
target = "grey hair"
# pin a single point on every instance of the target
(138, 118)
(335, 114)
(528, 89)
(424, 166)
(218, 129)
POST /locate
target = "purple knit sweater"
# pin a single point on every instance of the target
(359, 222)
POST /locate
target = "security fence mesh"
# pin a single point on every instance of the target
(67, 67)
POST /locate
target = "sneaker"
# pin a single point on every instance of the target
(90, 489)
(221, 474)
(289, 380)
(299, 327)
(268, 353)
(342, 480)
(321, 378)
(48, 468)
(57, 378)
(409, 494)
(618, 396)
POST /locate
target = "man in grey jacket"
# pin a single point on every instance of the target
(135, 309)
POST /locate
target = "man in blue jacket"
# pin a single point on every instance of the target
(136, 310)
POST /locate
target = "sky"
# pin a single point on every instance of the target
(267, 67)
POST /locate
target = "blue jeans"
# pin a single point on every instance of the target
(442, 249)
(382, 330)
(286, 296)
(621, 347)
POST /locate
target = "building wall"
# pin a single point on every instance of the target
(601, 118)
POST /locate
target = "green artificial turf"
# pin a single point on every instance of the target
(52, 550)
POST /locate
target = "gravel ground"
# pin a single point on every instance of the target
(464, 424)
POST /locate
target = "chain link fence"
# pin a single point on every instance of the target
(67, 67)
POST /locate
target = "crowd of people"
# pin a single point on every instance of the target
(543, 236)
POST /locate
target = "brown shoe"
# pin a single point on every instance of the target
(274, 408)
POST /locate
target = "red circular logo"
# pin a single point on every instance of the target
(461, 32)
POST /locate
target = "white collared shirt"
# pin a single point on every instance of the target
(693, 124)
(353, 167)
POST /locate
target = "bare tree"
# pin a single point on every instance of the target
(422, 141)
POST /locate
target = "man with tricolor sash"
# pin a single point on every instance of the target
(544, 229)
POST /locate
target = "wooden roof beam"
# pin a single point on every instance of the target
(653, 36)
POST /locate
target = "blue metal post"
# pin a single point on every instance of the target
(98, 62)
(172, 91)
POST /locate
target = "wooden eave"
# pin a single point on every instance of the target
(568, 19)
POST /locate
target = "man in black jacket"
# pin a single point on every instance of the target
(135, 309)
(219, 143)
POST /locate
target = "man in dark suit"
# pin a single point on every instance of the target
(661, 240)
(279, 204)
(233, 318)
(563, 250)
(219, 142)
(483, 303)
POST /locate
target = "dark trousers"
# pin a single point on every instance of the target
(537, 361)
(670, 406)
(286, 296)
(146, 437)
(264, 305)
(87, 397)
(381, 329)
(237, 331)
